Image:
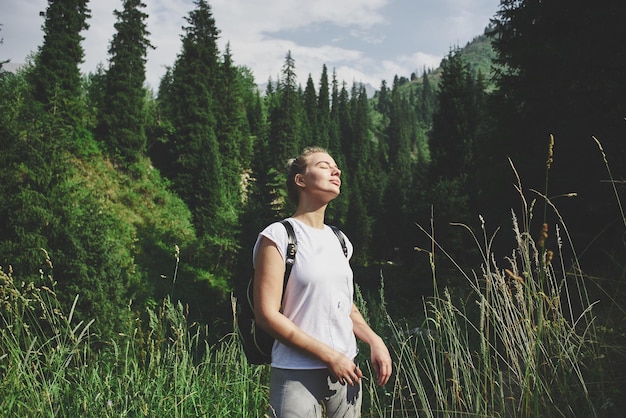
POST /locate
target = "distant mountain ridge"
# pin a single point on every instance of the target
(479, 55)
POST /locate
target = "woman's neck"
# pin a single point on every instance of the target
(312, 218)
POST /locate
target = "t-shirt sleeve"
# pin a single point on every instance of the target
(276, 233)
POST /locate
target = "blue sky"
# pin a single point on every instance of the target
(362, 40)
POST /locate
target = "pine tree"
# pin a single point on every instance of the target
(363, 178)
(323, 110)
(558, 77)
(427, 101)
(453, 125)
(334, 130)
(25, 179)
(55, 79)
(233, 132)
(285, 139)
(457, 126)
(397, 193)
(197, 168)
(384, 101)
(122, 116)
(310, 126)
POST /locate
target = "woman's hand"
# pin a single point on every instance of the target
(381, 360)
(379, 355)
(344, 369)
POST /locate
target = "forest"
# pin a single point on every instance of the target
(119, 204)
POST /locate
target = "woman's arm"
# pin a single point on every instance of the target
(268, 289)
(381, 360)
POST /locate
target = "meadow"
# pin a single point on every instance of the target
(526, 340)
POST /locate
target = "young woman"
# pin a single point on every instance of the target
(315, 322)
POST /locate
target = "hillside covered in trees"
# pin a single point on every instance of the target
(125, 196)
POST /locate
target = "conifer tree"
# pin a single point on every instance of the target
(197, 166)
(363, 178)
(397, 193)
(556, 76)
(323, 110)
(383, 105)
(344, 115)
(334, 130)
(25, 211)
(55, 79)
(285, 139)
(457, 125)
(122, 114)
(454, 127)
(310, 126)
(426, 104)
(233, 133)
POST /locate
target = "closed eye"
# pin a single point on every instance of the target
(325, 165)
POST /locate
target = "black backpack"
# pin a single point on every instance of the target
(257, 344)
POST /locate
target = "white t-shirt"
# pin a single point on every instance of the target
(319, 293)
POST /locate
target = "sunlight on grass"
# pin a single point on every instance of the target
(522, 342)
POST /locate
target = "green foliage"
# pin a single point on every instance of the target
(122, 109)
(55, 78)
(115, 228)
(558, 78)
(523, 342)
(160, 367)
(285, 133)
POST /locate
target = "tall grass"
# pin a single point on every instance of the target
(48, 368)
(524, 343)
(516, 349)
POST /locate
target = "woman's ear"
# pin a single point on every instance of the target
(299, 180)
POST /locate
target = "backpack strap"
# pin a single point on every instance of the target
(292, 249)
(341, 238)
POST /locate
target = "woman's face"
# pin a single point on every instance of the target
(321, 177)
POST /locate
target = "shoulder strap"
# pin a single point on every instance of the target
(341, 238)
(292, 249)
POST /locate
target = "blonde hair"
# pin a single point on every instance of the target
(297, 166)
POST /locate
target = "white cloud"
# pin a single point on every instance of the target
(363, 40)
(278, 15)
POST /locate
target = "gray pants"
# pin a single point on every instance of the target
(306, 393)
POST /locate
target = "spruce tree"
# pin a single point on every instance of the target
(427, 102)
(400, 160)
(557, 77)
(196, 168)
(383, 105)
(122, 116)
(457, 125)
(285, 139)
(362, 175)
(310, 128)
(233, 132)
(334, 130)
(55, 78)
(323, 110)
(453, 125)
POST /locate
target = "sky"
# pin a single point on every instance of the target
(363, 41)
